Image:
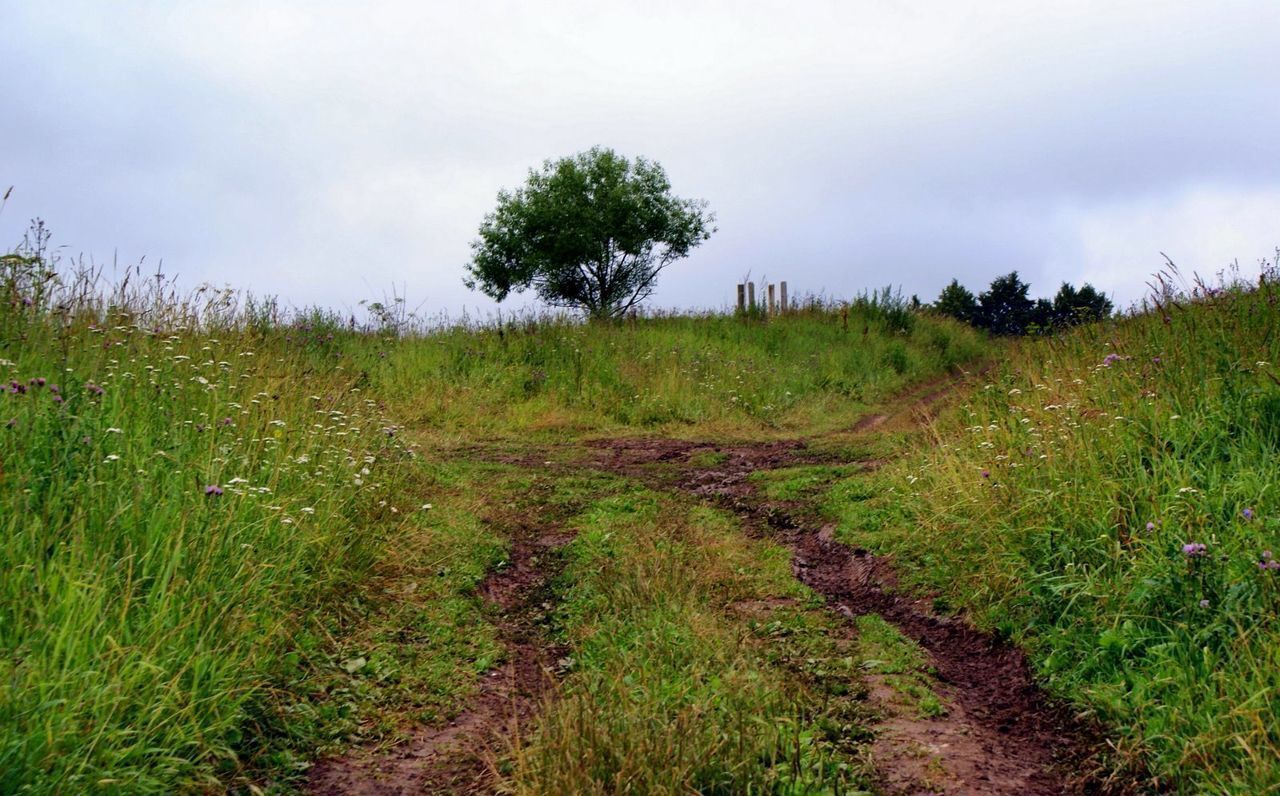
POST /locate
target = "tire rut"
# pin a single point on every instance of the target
(1001, 733)
(459, 758)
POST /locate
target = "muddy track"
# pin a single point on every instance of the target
(1001, 733)
(458, 758)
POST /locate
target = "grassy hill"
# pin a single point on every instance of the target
(1108, 500)
(210, 509)
(235, 539)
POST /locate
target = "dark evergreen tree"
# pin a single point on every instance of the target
(957, 302)
(1071, 306)
(1005, 309)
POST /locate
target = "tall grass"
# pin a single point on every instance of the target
(176, 486)
(1109, 500)
(191, 482)
(808, 369)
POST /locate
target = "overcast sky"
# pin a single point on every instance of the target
(325, 152)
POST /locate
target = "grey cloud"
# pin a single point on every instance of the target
(326, 152)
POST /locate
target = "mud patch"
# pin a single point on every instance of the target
(459, 758)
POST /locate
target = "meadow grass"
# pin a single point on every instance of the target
(225, 550)
(195, 499)
(674, 374)
(672, 690)
(1107, 499)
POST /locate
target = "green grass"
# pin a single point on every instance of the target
(209, 529)
(1056, 505)
(900, 663)
(672, 374)
(218, 560)
(671, 691)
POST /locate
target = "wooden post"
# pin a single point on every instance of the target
(742, 298)
(751, 295)
(773, 303)
(782, 289)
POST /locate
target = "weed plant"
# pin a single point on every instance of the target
(1108, 499)
(177, 486)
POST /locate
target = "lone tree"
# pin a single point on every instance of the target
(591, 232)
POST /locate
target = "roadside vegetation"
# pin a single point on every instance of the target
(238, 538)
(680, 375)
(225, 548)
(1106, 498)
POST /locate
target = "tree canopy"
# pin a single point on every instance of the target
(591, 232)
(1006, 309)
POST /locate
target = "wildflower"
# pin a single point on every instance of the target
(226, 421)
(1204, 603)
(53, 388)
(1109, 358)
(114, 430)
(1195, 550)
(426, 507)
(1247, 514)
(307, 510)
(213, 490)
(13, 421)
(111, 457)
(57, 399)
(1151, 526)
(38, 381)
(94, 389)
(986, 473)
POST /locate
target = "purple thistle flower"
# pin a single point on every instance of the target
(1195, 550)
(1247, 514)
(38, 381)
(1204, 603)
(57, 399)
(94, 389)
(53, 388)
(1109, 358)
(213, 490)
(986, 473)
(1151, 526)
(226, 421)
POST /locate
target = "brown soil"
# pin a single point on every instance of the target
(1001, 733)
(457, 758)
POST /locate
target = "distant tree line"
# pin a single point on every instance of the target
(1006, 309)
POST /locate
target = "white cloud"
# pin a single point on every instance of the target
(1203, 230)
